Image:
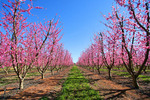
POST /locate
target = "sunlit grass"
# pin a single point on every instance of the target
(32, 74)
(12, 79)
(76, 87)
(103, 70)
(7, 80)
(126, 74)
(144, 78)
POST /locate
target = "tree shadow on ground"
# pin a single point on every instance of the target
(117, 93)
(5, 97)
(114, 92)
(34, 96)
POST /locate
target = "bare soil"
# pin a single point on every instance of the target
(111, 89)
(119, 88)
(35, 87)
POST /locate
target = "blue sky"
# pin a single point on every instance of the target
(80, 20)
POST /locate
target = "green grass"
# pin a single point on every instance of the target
(120, 68)
(126, 74)
(76, 87)
(7, 80)
(12, 79)
(144, 78)
(11, 70)
(33, 74)
(44, 98)
(148, 70)
(103, 70)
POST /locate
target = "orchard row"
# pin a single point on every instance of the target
(24, 45)
(126, 42)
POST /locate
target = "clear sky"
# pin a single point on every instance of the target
(80, 20)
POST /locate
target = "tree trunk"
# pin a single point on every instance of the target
(51, 72)
(134, 82)
(98, 69)
(57, 70)
(21, 81)
(93, 69)
(118, 67)
(6, 71)
(144, 70)
(148, 67)
(109, 74)
(137, 67)
(42, 75)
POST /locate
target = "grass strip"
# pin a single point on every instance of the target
(76, 87)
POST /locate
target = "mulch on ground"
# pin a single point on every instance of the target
(111, 90)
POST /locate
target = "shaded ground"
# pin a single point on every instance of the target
(111, 90)
(34, 86)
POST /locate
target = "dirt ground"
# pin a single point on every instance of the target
(51, 86)
(110, 90)
(35, 87)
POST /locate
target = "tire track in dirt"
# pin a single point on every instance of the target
(49, 87)
(110, 90)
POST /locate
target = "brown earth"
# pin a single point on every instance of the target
(49, 87)
(31, 83)
(110, 90)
